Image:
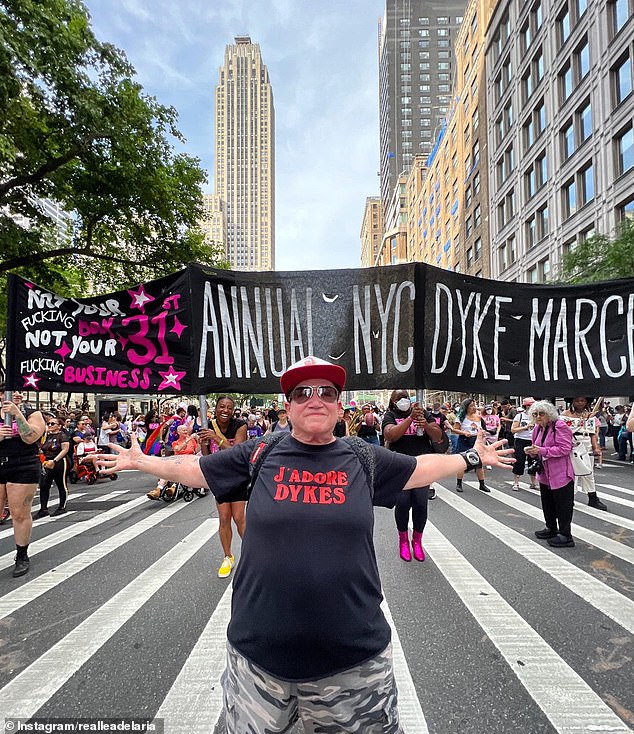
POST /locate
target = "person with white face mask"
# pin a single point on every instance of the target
(401, 424)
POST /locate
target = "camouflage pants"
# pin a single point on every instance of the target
(360, 700)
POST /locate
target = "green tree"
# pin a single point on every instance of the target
(600, 258)
(76, 128)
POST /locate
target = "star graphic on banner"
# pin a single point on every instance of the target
(178, 328)
(63, 351)
(31, 381)
(123, 340)
(139, 298)
(171, 378)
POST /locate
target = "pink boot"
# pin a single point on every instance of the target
(403, 546)
(417, 546)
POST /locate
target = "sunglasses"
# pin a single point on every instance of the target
(539, 412)
(52, 424)
(303, 393)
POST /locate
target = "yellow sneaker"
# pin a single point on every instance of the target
(225, 568)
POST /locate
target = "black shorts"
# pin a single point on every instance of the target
(20, 469)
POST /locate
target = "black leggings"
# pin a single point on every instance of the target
(558, 505)
(520, 456)
(416, 499)
(58, 475)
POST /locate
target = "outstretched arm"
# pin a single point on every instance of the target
(432, 467)
(183, 468)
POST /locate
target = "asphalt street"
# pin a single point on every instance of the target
(122, 613)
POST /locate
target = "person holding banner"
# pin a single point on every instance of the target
(20, 469)
(307, 637)
(581, 420)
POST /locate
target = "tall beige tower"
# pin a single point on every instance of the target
(245, 156)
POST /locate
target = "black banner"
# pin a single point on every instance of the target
(205, 330)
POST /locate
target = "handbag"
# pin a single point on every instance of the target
(581, 460)
(535, 465)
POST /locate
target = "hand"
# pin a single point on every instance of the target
(5, 431)
(10, 408)
(50, 464)
(121, 459)
(531, 450)
(206, 434)
(418, 415)
(494, 454)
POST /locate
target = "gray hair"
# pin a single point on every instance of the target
(543, 406)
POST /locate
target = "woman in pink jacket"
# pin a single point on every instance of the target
(552, 443)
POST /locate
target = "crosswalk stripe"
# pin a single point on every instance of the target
(608, 516)
(110, 496)
(42, 520)
(616, 488)
(410, 712)
(35, 685)
(608, 545)
(43, 544)
(30, 591)
(564, 697)
(194, 702)
(599, 595)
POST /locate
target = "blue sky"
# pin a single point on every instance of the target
(322, 61)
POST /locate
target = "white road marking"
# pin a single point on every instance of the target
(608, 545)
(410, 711)
(599, 595)
(37, 683)
(565, 698)
(43, 520)
(604, 515)
(26, 593)
(616, 488)
(110, 496)
(194, 702)
(39, 546)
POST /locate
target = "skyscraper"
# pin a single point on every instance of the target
(415, 77)
(245, 156)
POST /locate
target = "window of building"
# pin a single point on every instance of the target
(621, 11)
(443, 88)
(526, 36)
(442, 32)
(469, 226)
(536, 16)
(544, 269)
(423, 21)
(530, 183)
(443, 55)
(569, 192)
(622, 76)
(563, 25)
(476, 183)
(477, 248)
(586, 188)
(584, 118)
(568, 140)
(477, 216)
(475, 152)
(469, 256)
(443, 66)
(624, 145)
(468, 198)
(582, 60)
(423, 43)
(443, 43)
(541, 167)
(565, 82)
(423, 32)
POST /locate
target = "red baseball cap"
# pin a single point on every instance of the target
(310, 367)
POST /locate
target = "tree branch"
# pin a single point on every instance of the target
(51, 165)
(37, 257)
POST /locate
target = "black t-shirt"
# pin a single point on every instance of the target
(14, 446)
(339, 431)
(272, 416)
(306, 593)
(53, 444)
(409, 443)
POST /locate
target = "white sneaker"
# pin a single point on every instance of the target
(515, 487)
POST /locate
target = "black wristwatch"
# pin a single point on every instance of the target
(472, 459)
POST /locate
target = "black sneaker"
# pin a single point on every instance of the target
(545, 534)
(483, 488)
(60, 511)
(431, 493)
(41, 513)
(459, 487)
(21, 566)
(561, 541)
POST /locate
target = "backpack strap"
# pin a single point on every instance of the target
(366, 456)
(262, 447)
(362, 450)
